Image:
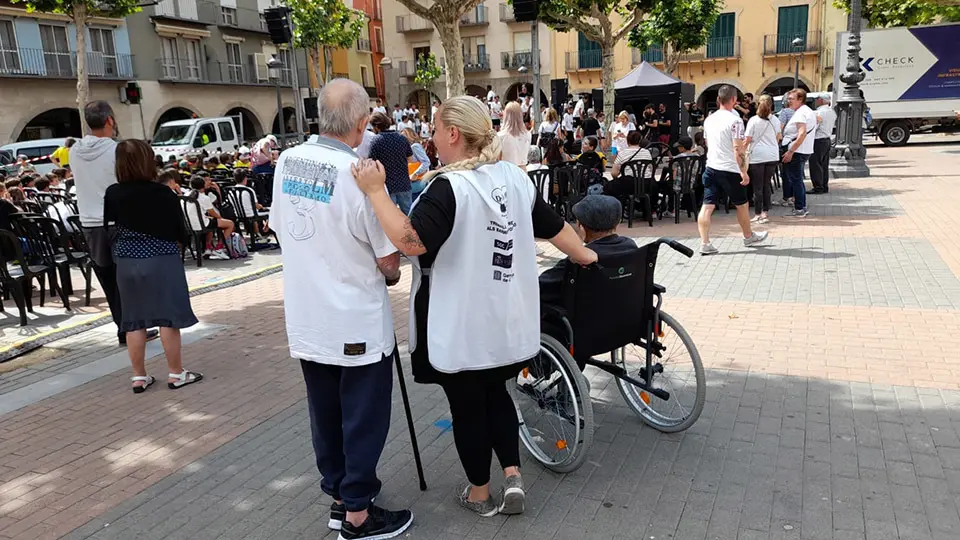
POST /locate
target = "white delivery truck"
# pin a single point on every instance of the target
(181, 137)
(912, 79)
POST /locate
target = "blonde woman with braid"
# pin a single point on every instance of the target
(475, 308)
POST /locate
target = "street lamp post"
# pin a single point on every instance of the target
(848, 157)
(274, 67)
(797, 44)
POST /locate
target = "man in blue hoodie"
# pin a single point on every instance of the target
(93, 162)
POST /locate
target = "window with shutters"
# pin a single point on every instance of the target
(9, 54)
(191, 60)
(720, 44)
(228, 16)
(286, 76)
(234, 63)
(56, 50)
(103, 61)
(792, 24)
(169, 59)
(589, 55)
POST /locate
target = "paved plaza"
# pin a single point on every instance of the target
(833, 403)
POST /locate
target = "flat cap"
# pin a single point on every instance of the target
(598, 212)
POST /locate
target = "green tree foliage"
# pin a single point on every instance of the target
(427, 73)
(321, 26)
(605, 22)
(81, 11)
(679, 26)
(887, 13)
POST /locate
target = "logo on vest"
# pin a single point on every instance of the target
(499, 195)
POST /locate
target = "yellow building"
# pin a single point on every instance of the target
(754, 46)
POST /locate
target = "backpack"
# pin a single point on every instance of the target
(237, 247)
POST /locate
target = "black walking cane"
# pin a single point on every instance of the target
(406, 408)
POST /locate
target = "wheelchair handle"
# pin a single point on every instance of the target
(677, 246)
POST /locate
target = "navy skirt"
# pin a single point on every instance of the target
(153, 292)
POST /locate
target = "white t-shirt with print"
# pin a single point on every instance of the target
(720, 129)
(805, 115)
(495, 110)
(764, 147)
(206, 204)
(335, 298)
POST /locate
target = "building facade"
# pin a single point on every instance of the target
(494, 46)
(185, 54)
(755, 46)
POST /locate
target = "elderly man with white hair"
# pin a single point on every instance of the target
(337, 264)
(820, 160)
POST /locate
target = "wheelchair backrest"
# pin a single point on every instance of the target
(610, 306)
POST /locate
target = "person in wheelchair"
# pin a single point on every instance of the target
(598, 217)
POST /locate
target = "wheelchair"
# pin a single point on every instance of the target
(611, 308)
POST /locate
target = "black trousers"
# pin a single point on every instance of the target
(760, 180)
(100, 242)
(484, 422)
(820, 164)
(349, 419)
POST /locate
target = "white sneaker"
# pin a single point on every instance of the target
(708, 249)
(755, 238)
(220, 255)
(207, 253)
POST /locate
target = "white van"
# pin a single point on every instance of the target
(182, 137)
(40, 148)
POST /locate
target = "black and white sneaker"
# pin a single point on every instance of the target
(338, 514)
(380, 525)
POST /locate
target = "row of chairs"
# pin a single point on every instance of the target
(41, 248)
(240, 198)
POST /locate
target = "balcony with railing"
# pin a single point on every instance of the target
(476, 63)
(584, 60)
(653, 54)
(506, 13)
(514, 60)
(216, 72)
(774, 44)
(475, 17)
(715, 48)
(363, 45)
(39, 63)
(413, 23)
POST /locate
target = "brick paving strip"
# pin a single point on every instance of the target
(826, 418)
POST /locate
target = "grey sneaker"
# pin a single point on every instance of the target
(755, 238)
(486, 508)
(512, 495)
(708, 249)
(800, 213)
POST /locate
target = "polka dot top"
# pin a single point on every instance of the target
(136, 245)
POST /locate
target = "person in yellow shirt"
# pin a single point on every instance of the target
(243, 159)
(61, 156)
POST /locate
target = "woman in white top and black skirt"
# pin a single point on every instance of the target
(475, 300)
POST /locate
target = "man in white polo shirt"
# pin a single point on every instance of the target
(726, 172)
(337, 264)
(800, 131)
(820, 161)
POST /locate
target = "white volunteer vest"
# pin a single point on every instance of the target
(484, 309)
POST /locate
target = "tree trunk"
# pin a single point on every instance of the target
(609, 93)
(83, 91)
(316, 61)
(328, 63)
(671, 59)
(450, 39)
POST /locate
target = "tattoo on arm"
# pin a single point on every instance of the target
(410, 239)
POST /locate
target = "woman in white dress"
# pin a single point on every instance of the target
(514, 137)
(619, 131)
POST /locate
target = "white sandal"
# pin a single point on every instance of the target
(183, 379)
(147, 380)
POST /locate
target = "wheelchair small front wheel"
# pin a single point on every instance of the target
(677, 370)
(553, 408)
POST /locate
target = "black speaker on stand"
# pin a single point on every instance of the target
(558, 94)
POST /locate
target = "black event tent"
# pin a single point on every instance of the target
(647, 84)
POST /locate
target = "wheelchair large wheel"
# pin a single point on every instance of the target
(554, 408)
(677, 370)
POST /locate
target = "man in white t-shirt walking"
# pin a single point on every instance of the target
(820, 161)
(337, 264)
(726, 172)
(496, 112)
(567, 124)
(800, 131)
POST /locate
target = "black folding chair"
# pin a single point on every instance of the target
(541, 181)
(79, 246)
(644, 187)
(16, 275)
(42, 255)
(263, 187)
(198, 238)
(67, 254)
(684, 173)
(244, 202)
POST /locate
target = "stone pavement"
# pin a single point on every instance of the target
(52, 321)
(833, 404)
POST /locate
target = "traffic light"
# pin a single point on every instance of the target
(132, 92)
(278, 24)
(525, 10)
